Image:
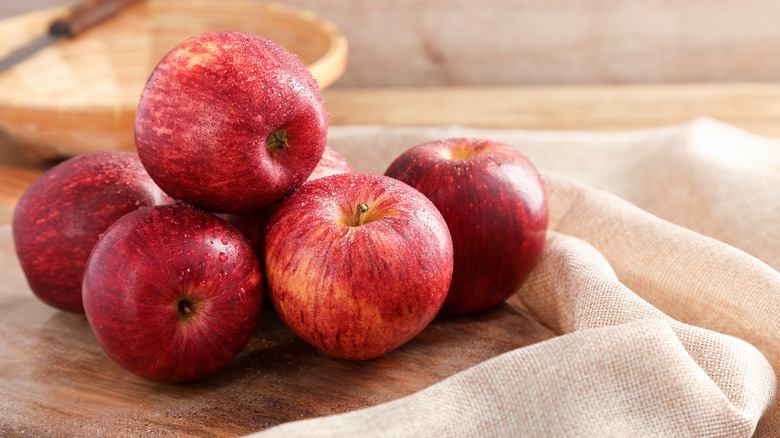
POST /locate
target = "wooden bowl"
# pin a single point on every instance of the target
(80, 95)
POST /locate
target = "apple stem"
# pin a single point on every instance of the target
(277, 140)
(360, 216)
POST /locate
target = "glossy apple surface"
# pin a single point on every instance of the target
(59, 217)
(229, 122)
(331, 163)
(495, 205)
(357, 264)
(253, 223)
(172, 293)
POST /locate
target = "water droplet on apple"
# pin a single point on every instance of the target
(206, 256)
(223, 257)
(190, 253)
(224, 241)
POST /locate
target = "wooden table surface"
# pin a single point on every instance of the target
(55, 380)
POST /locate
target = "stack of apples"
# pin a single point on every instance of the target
(233, 193)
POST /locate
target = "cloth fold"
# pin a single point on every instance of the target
(659, 275)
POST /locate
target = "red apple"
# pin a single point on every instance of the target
(252, 223)
(230, 122)
(59, 217)
(495, 205)
(357, 264)
(172, 293)
(331, 163)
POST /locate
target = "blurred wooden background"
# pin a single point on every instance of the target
(413, 42)
(542, 64)
(500, 42)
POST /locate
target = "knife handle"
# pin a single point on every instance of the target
(86, 15)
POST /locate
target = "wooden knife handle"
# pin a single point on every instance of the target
(85, 15)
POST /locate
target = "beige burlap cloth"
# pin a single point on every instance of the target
(659, 275)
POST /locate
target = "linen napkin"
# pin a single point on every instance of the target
(659, 276)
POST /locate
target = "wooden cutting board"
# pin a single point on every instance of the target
(55, 381)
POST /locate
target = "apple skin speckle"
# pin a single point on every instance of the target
(60, 217)
(166, 298)
(495, 205)
(208, 110)
(357, 289)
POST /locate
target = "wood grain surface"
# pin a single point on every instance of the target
(512, 42)
(55, 381)
(752, 106)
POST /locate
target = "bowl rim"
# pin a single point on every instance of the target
(326, 69)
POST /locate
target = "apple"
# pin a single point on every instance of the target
(172, 293)
(59, 217)
(331, 163)
(230, 122)
(357, 264)
(253, 223)
(495, 205)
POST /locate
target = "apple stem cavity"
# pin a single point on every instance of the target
(277, 140)
(185, 310)
(360, 216)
